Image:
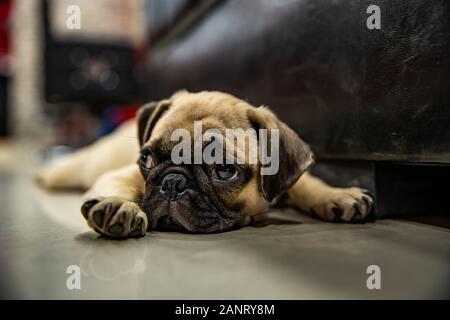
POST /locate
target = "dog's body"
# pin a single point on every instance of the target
(126, 198)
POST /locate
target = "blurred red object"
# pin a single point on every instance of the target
(5, 13)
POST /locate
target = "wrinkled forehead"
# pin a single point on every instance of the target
(215, 111)
(204, 115)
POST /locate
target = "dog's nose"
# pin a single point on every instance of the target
(173, 184)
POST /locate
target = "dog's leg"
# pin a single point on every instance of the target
(111, 206)
(310, 194)
(65, 173)
(82, 168)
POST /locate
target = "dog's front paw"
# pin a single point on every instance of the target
(344, 205)
(115, 217)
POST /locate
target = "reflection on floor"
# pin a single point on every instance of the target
(41, 234)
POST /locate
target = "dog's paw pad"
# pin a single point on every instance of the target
(87, 206)
(138, 228)
(98, 217)
(115, 217)
(116, 229)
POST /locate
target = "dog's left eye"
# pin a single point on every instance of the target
(147, 161)
(225, 172)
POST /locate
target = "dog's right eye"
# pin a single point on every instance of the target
(147, 161)
(225, 172)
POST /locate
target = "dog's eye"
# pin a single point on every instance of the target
(147, 161)
(225, 172)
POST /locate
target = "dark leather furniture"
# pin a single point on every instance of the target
(362, 98)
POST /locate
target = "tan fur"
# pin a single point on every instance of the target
(254, 201)
(108, 167)
(311, 194)
(84, 167)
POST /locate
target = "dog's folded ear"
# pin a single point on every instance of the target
(147, 116)
(295, 156)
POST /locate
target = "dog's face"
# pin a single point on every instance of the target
(210, 197)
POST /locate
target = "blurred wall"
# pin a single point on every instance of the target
(101, 21)
(27, 67)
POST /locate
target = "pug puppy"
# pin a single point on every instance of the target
(134, 186)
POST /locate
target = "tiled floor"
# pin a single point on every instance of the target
(41, 234)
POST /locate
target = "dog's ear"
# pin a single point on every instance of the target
(147, 116)
(295, 156)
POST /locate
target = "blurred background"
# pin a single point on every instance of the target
(373, 103)
(62, 87)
